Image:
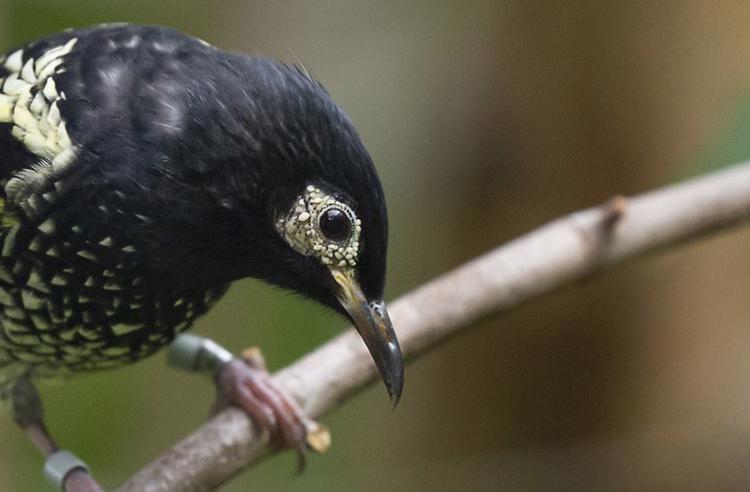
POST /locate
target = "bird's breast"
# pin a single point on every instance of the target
(78, 299)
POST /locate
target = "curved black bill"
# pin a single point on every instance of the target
(374, 326)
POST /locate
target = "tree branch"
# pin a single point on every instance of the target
(567, 249)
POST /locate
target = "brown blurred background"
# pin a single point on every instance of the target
(486, 119)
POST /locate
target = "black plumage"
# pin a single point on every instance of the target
(162, 180)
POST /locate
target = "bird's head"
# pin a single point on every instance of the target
(310, 209)
(346, 265)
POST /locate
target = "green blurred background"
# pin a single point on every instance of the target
(486, 119)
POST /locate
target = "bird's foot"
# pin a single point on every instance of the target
(246, 384)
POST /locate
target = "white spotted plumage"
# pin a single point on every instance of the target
(29, 100)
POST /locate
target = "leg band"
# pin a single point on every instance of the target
(59, 464)
(197, 354)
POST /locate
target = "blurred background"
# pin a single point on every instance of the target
(486, 119)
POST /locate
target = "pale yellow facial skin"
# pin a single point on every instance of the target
(300, 227)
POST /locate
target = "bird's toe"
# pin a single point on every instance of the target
(253, 390)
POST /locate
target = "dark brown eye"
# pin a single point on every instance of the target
(335, 224)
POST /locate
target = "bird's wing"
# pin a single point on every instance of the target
(31, 138)
(77, 89)
(61, 93)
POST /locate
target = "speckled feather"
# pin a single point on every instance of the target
(180, 159)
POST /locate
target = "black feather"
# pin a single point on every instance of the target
(186, 154)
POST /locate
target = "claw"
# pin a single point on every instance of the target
(246, 384)
(253, 357)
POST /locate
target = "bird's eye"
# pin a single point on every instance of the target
(335, 224)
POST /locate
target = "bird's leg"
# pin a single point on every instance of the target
(61, 467)
(245, 383)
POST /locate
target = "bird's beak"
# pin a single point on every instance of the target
(374, 326)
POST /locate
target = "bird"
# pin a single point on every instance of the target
(142, 171)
